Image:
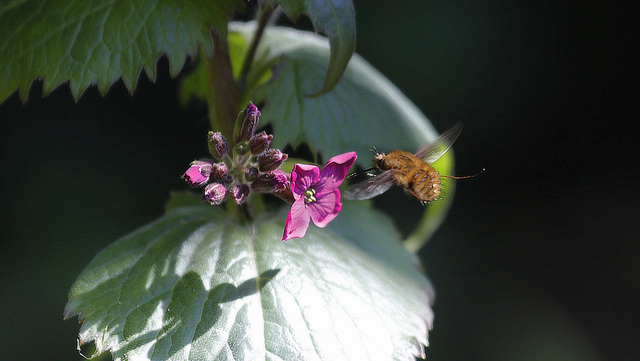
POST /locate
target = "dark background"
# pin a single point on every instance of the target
(539, 258)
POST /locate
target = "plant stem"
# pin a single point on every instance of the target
(263, 21)
(245, 215)
(226, 95)
(224, 103)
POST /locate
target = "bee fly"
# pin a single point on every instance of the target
(409, 171)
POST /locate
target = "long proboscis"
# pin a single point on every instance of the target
(360, 172)
(464, 177)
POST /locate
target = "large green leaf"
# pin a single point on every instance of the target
(364, 109)
(87, 42)
(335, 18)
(196, 285)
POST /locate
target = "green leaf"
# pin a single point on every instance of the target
(98, 42)
(335, 18)
(195, 285)
(364, 110)
(197, 84)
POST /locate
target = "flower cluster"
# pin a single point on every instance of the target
(235, 172)
(251, 166)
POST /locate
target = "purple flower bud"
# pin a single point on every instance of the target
(271, 182)
(246, 123)
(271, 159)
(250, 174)
(198, 173)
(260, 142)
(240, 192)
(285, 194)
(218, 146)
(219, 170)
(215, 193)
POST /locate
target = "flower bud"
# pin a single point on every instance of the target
(260, 142)
(198, 173)
(218, 146)
(285, 194)
(219, 170)
(240, 192)
(271, 159)
(215, 193)
(271, 182)
(246, 123)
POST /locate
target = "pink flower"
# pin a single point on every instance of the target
(316, 194)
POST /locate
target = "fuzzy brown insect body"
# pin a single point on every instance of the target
(411, 173)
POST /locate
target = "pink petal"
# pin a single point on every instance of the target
(334, 172)
(194, 177)
(325, 209)
(302, 176)
(297, 221)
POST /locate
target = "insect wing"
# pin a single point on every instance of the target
(432, 152)
(371, 187)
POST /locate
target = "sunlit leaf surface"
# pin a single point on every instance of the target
(196, 285)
